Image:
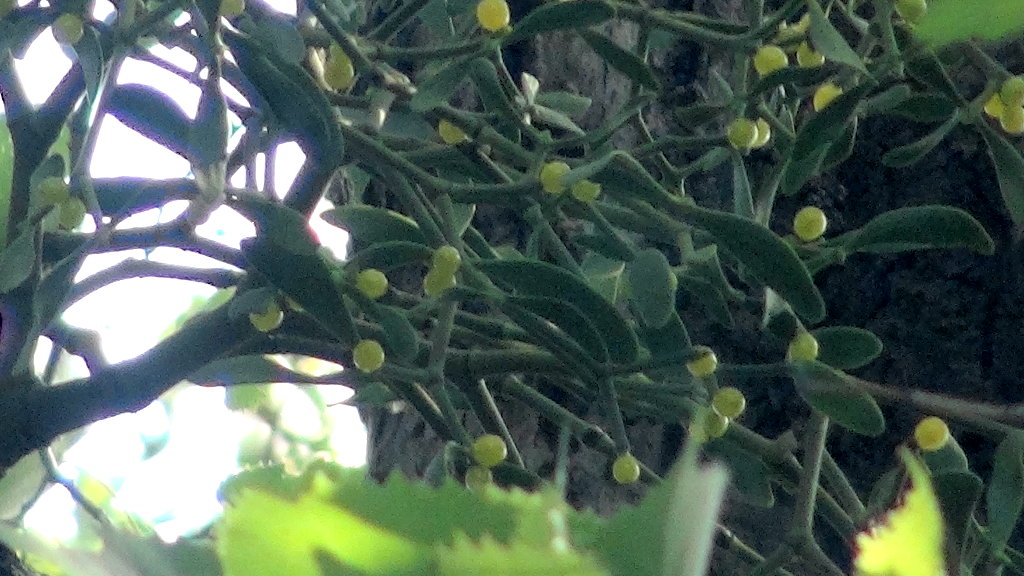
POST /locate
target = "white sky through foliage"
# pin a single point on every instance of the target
(175, 490)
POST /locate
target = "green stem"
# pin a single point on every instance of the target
(397, 19)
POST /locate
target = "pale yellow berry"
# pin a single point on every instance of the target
(804, 347)
(489, 450)
(493, 15)
(586, 191)
(436, 282)
(715, 425)
(626, 469)
(478, 478)
(769, 58)
(911, 10)
(52, 191)
(446, 260)
(742, 133)
(368, 356)
(931, 434)
(704, 364)
(72, 212)
(450, 133)
(232, 8)
(825, 94)
(764, 133)
(808, 57)
(994, 105)
(267, 320)
(809, 223)
(551, 177)
(1012, 91)
(372, 283)
(339, 73)
(1012, 120)
(729, 402)
(68, 29)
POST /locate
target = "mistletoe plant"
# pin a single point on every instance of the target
(591, 304)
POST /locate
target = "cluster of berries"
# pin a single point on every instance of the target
(1007, 105)
(551, 175)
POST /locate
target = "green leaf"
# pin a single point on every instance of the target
(958, 494)
(569, 319)
(386, 256)
(652, 286)
(1005, 496)
(778, 318)
(846, 347)
(370, 225)
(949, 21)
(252, 301)
(604, 273)
(927, 107)
(919, 227)
(669, 342)
(399, 334)
(790, 75)
(6, 175)
(90, 56)
(490, 90)
(20, 485)
(287, 229)
(435, 89)
(949, 458)
(742, 200)
(554, 119)
(560, 16)
(1010, 171)
(17, 260)
(908, 154)
(533, 278)
(829, 41)
(817, 134)
(699, 114)
(712, 300)
(622, 60)
(767, 257)
(468, 558)
(749, 473)
(841, 148)
(153, 114)
(567, 103)
(250, 369)
(840, 398)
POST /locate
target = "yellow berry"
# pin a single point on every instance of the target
(267, 320)
(478, 478)
(68, 29)
(450, 133)
(808, 57)
(368, 356)
(764, 133)
(911, 10)
(339, 73)
(586, 191)
(931, 434)
(446, 260)
(704, 364)
(804, 347)
(769, 58)
(1012, 120)
(729, 402)
(551, 177)
(994, 105)
(52, 190)
(1012, 91)
(626, 469)
(72, 211)
(372, 283)
(493, 15)
(489, 450)
(436, 282)
(232, 8)
(825, 94)
(809, 223)
(742, 133)
(715, 425)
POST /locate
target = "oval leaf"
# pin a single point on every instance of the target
(919, 227)
(829, 41)
(1010, 171)
(836, 395)
(911, 153)
(652, 286)
(622, 60)
(369, 224)
(153, 114)
(1005, 496)
(533, 278)
(570, 320)
(387, 256)
(846, 347)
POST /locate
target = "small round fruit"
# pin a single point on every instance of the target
(931, 434)
(232, 8)
(809, 223)
(450, 133)
(52, 191)
(704, 364)
(493, 15)
(1012, 91)
(742, 133)
(715, 425)
(446, 260)
(911, 10)
(489, 450)
(825, 94)
(1012, 120)
(436, 282)
(769, 58)
(68, 29)
(372, 283)
(729, 402)
(994, 105)
(72, 212)
(808, 57)
(586, 191)
(478, 478)
(368, 356)
(803, 347)
(551, 177)
(764, 133)
(626, 469)
(339, 73)
(269, 319)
